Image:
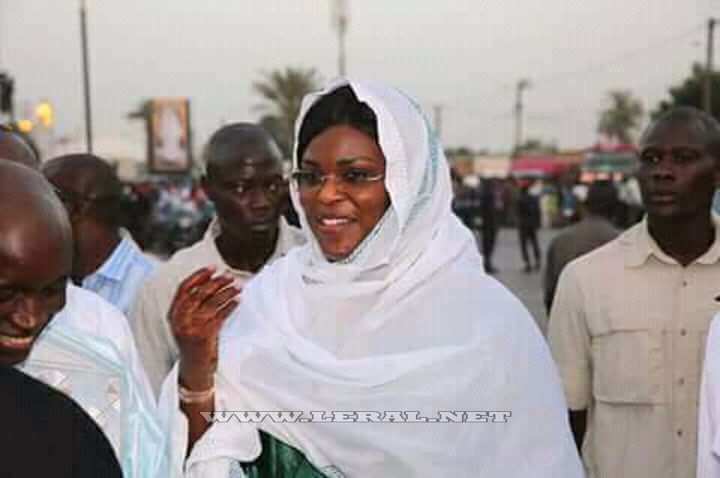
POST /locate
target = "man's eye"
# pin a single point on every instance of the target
(685, 156)
(274, 186)
(650, 157)
(55, 289)
(7, 295)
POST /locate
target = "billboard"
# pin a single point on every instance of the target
(169, 148)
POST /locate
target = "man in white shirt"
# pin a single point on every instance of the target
(65, 336)
(244, 179)
(107, 260)
(629, 320)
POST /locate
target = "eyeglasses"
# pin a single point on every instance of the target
(353, 178)
(679, 156)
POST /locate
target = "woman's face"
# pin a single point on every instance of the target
(343, 208)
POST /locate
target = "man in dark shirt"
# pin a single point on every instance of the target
(44, 433)
(528, 217)
(593, 231)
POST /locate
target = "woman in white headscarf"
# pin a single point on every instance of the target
(386, 309)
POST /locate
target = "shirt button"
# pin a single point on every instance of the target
(684, 283)
(681, 381)
(683, 332)
(679, 433)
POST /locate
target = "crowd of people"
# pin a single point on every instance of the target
(376, 305)
(529, 204)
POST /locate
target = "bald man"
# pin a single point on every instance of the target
(14, 147)
(244, 179)
(107, 260)
(63, 335)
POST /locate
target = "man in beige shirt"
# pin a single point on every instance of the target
(245, 182)
(629, 320)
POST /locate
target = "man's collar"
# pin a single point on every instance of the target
(284, 239)
(116, 266)
(640, 245)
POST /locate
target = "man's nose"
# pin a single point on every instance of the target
(260, 199)
(662, 172)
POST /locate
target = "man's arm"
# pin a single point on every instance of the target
(569, 339)
(578, 421)
(153, 337)
(551, 276)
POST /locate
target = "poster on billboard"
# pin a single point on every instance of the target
(169, 149)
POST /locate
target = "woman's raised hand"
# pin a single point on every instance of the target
(199, 309)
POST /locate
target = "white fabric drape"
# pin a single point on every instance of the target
(410, 323)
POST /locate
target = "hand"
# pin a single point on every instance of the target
(200, 307)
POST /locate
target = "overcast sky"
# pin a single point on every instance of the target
(463, 54)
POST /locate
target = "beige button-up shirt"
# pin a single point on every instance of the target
(627, 330)
(149, 324)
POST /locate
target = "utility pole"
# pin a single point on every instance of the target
(340, 21)
(438, 112)
(522, 85)
(86, 77)
(707, 97)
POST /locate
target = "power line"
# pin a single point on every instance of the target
(462, 102)
(628, 55)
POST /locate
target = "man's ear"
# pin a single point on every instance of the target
(77, 211)
(207, 186)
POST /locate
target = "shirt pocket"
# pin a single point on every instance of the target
(627, 362)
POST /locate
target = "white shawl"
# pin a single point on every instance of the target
(410, 323)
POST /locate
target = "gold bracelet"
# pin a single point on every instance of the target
(191, 396)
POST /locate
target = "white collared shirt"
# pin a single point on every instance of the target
(709, 415)
(627, 330)
(87, 351)
(148, 318)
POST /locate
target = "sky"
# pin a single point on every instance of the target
(464, 56)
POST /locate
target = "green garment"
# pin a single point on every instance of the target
(279, 460)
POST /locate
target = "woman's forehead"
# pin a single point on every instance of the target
(343, 144)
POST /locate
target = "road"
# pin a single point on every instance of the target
(527, 287)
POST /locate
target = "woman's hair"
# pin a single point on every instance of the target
(339, 108)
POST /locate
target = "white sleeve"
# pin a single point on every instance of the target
(152, 332)
(708, 462)
(116, 327)
(217, 452)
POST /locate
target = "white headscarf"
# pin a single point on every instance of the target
(409, 323)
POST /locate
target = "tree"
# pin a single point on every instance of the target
(282, 92)
(622, 118)
(690, 92)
